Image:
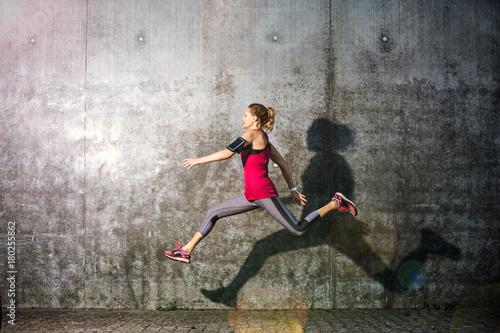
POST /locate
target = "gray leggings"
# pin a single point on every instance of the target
(274, 206)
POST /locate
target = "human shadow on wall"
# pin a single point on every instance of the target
(328, 172)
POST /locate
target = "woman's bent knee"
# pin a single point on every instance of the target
(297, 233)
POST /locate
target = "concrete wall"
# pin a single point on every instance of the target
(394, 103)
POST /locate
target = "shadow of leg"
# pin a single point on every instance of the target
(263, 249)
(279, 242)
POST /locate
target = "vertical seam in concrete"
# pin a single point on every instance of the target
(85, 157)
(330, 63)
(333, 284)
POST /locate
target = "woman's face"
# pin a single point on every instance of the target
(248, 119)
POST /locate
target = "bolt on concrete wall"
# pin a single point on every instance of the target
(395, 104)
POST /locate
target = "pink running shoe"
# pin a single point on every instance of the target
(178, 254)
(344, 204)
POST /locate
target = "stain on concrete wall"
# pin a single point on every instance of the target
(393, 103)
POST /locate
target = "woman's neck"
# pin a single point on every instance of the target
(255, 126)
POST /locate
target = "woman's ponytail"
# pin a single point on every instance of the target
(269, 124)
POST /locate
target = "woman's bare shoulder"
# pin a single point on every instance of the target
(256, 138)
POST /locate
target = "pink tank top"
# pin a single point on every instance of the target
(256, 174)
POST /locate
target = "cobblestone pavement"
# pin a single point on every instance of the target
(51, 320)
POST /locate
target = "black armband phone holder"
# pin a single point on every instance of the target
(237, 146)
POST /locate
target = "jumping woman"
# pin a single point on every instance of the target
(255, 151)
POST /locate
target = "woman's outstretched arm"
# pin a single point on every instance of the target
(188, 163)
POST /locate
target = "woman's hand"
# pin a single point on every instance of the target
(299, 198)
(190, 162)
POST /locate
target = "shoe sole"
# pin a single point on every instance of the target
(349, 201)
(184, 260)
